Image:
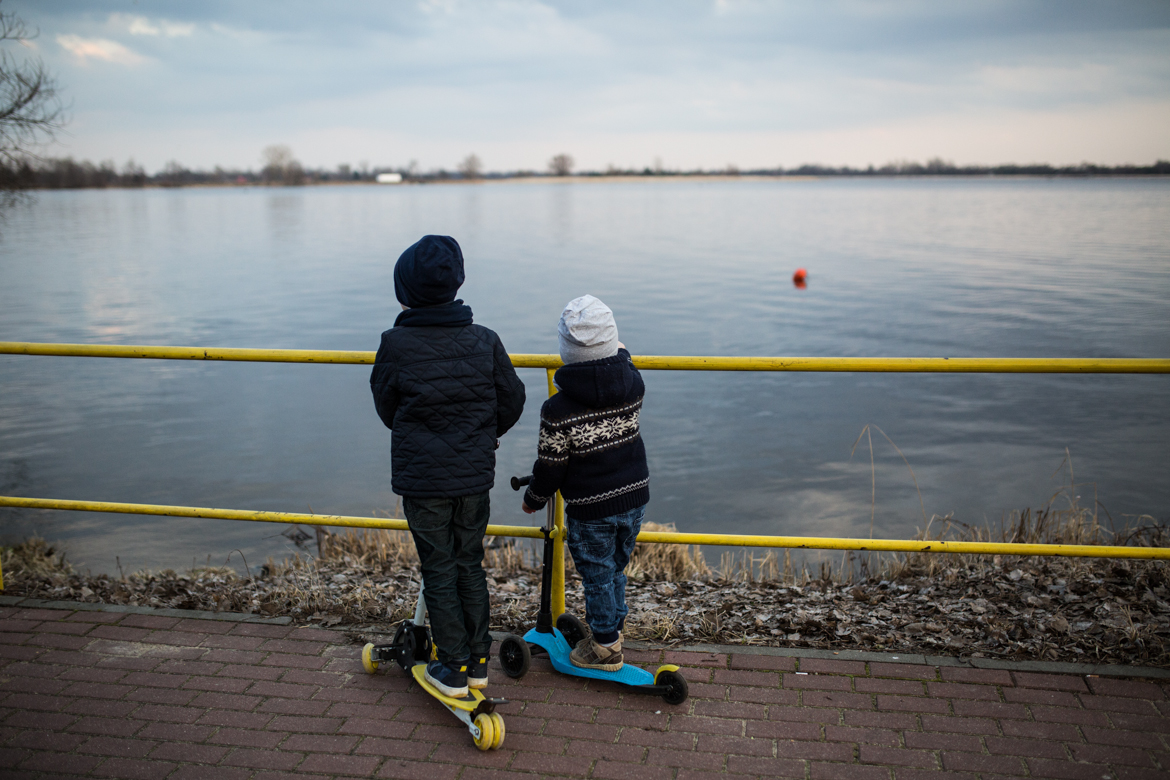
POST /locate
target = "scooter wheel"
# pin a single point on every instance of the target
(572, 629)
(498, 725)
(368, 662)
(515, 656)
(677, 686)
(487, 733)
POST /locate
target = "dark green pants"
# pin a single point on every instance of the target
(448, 534)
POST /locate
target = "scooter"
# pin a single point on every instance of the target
(411, 648)
(559, 640)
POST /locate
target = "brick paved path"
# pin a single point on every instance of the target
(146, 696)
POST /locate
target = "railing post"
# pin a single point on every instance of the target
(558, 571)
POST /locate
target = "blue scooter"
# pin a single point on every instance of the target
(558, 641)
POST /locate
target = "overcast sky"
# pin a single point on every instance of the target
(694, 84)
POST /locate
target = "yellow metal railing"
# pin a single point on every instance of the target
(652, 362)
(343, 521)
(658, 537)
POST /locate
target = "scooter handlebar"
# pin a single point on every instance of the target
(519, 482)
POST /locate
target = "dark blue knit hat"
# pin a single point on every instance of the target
(429, 272)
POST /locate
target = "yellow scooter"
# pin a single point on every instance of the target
(411, 648)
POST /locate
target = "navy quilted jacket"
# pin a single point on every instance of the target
(448, 391)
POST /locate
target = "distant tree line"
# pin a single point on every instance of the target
(282, 169)
(940, 167)
(66, 173)
(933, 167)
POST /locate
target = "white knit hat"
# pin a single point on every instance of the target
(587, 331)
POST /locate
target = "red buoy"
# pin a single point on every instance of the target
(800, 278)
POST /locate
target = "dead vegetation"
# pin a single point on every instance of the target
(1072, 609)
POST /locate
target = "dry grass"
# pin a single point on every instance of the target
(368, 548)
(34, 557)
(672, 562)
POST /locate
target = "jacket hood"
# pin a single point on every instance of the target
(599, 383)
(429, 272)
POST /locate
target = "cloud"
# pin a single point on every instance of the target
(140, 25)
(698, 83)
(85, 49)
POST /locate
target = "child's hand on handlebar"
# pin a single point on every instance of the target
(527, 509)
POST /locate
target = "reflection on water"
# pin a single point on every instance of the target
(933, 268)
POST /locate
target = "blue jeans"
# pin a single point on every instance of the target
(601, 549)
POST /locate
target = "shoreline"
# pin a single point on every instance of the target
(624, 178)
(1095, 611)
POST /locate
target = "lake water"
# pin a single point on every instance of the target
(948, 267)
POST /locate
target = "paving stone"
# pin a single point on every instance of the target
(154, 695)
(388, 729)
(202, 754)
(362, 766)
(247, 737)
(398, 769)
(48, 740)
(150, 622)
(980, 676)
(876, 754)
(399, 748)
(134, 769)
(989, 709)
(1065, 770)
(924, 740)
(65, 763)
(772, 767)
(295, 707)
(710, 762)
(977, 762)
(784, 729)
(843, 771)
(210, 773)
(262, 759)
(681, 658)
(1037, 748)
(877, 685)
(1056, 682)
(116, 746)
(912, 704)
(1111, 754)
(761, 662)
(1133, 689)
(951, 690)
(825, 666)
(891, 720)
(114, 727)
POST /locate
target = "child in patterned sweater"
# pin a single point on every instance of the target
(591, 450)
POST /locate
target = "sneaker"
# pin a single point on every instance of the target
(448, 680)
(477, 672)
(590, 655)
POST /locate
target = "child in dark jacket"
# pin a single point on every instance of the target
(591, 450)
(448, 391)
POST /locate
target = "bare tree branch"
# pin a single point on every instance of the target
(30, 106)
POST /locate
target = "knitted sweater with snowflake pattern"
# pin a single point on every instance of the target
(590, 445)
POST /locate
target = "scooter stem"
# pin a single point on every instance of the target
(544, 622)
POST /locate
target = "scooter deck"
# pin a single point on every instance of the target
(558, 653)
(472, 701)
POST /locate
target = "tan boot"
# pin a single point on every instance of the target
(590, 655)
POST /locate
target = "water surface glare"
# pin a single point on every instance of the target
(930, 268)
